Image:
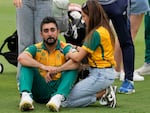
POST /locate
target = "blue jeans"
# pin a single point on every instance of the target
(84, 92)
(137, 6)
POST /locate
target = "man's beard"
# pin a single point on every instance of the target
(50, 41)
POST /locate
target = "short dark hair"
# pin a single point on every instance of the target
(47, 20)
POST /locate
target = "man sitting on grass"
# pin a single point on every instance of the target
(45, 75)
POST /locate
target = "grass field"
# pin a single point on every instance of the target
(9, 97)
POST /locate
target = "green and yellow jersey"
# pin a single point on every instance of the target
(49, 58)
(100, 49)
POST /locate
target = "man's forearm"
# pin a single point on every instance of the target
(26, 60)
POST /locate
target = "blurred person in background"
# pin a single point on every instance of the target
(137, 9)
(145, 69)
(117, 12)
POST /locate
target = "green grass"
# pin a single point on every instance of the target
(9, 96)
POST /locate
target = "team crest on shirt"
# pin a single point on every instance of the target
(62, 44)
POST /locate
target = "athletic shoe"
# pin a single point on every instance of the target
(127, 87)
(136, 76)
(55, 102)
(109, 98)
(144, 70)
(103, 100)
(26, 102)
(112, 97)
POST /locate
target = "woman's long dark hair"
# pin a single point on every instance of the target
(97, 18)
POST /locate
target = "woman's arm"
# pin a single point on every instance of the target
(78, 55)
(69, 65)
